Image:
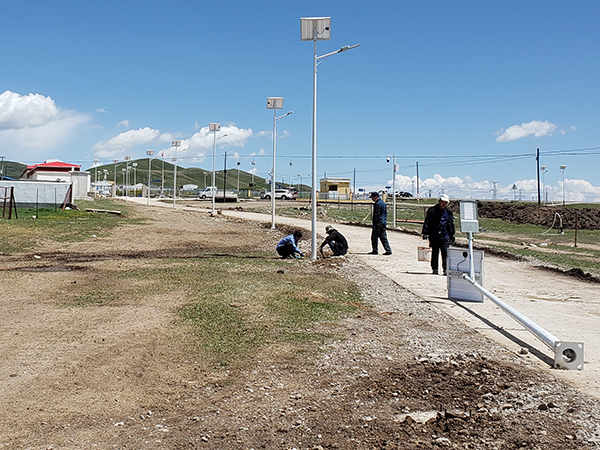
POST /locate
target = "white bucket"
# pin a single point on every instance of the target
(423, 253)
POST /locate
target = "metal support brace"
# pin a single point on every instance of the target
(567, 355)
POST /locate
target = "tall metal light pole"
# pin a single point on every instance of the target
(562, 169)
(214, 127)
(124, 188)
(115, 161)
(150, 153)
(175, 144)
(127, 158)
(253, 164)
(162, 174)
(544, 169)
(274, 103)
(291, 164)
(238, 183)
(316, 29)
(2, 174)
(134, 165)
(394, 169)
(96, 167)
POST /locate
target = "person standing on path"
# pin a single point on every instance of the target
(379, 225)
(438, 227)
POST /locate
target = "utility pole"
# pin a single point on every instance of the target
(537, 159)
(224, 177)
(417, 181)
(2, 174)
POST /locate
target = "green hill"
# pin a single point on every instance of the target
(13, 169)
(163, 169)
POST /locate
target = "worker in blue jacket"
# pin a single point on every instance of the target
(379, 225)
(288, 246)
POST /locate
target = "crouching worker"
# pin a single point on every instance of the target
(288, 246)
(336, 241)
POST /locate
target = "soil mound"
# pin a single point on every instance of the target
(584, 218)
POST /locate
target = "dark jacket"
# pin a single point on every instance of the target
(335, 236)
(379, 213)
(439, 224)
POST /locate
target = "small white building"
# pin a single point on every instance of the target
(59, 171)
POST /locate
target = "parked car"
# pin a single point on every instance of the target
(404, 194)
(283, 194)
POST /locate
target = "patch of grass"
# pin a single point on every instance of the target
(244, 305)
(237, 306)
(34, 226)
(95, 298)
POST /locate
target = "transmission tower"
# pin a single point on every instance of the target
(494, 190)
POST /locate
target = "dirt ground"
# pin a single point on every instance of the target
(404, 375)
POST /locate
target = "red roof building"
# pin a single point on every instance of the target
(48, 169)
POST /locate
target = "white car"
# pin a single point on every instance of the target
(283, 194)
(207, 192)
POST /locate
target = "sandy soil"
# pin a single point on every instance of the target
(405, 375)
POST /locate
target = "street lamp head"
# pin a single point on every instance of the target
(563, 167)
(214, 127)
(345, 48)
(387, 159)
(239, 163)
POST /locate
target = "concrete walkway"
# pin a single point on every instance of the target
(562, 305)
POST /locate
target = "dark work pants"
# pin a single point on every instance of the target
(437, 247)
(287, 250)
(379, 233)
(337, 248)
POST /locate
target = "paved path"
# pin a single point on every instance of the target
(564, 306)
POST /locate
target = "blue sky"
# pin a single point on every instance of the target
(468, 89)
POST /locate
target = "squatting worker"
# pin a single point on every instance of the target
(288, 246)
(336, 241)
(438, 227)
(379, 225)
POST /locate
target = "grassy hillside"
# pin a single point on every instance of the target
(191, 175)
(13, 169)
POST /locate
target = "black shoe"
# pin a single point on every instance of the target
(435, 272)
(372, 253)
(387, 253)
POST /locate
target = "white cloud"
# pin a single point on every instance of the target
(123, 123)
(38, 139)
(33, 123)
(128, 140)
(534, 128)
(464, 188)
(230, 135)
(26, 111)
